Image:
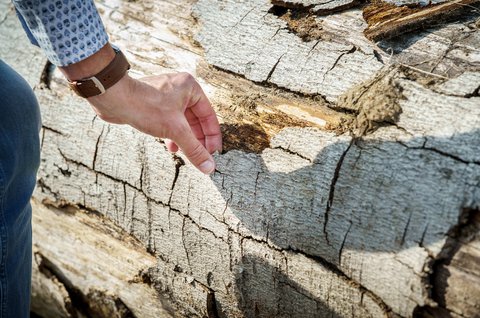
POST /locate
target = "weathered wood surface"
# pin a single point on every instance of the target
(299, 221)
(250, 41)
(86, 266)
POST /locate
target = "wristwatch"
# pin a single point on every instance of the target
(106, 78)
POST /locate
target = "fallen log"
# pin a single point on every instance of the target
(357, 195)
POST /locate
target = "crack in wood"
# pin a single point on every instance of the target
(351, 51)
(340, 250)
(97, 143)
(78, 303)
(94, 304)
(440, 152)
(404, 234)
(466, 230)
(273, 68)
(53, 130)
(187, 255)
(212, 310)
(46, 75)
(319, 7)
(331, 193)
(292, 153)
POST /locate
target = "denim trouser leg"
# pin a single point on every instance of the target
(19, 160)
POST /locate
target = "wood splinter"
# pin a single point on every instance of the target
(386, 20)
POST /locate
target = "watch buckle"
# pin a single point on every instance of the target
(98, 84)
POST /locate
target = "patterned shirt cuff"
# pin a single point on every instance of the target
(67, 31)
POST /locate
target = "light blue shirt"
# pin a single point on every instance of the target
(68, 31)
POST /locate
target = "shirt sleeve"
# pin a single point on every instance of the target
(67, 31)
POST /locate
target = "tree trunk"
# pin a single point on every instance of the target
(349, 185)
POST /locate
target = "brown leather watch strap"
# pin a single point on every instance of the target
(102, 81)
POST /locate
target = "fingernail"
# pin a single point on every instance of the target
(207, 167)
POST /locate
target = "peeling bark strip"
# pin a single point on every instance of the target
(387, 20)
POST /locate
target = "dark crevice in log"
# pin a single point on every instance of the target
(467, 228)
(475, 93)
(284, 5)
(212, 310)
(331, 194)
(273, 68)
(378, 56)
(321, 8)
(340, 250)
(97, 143)
(102, 305)
(46, 75)
(317, 97)
(405, 230)
(339, 57)
(46, 188)
(77, 307)
(64, 172)
(179, 162)
(53, 130)
(440, 152)
(293, 153)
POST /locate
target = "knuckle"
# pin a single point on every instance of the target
(186, 78)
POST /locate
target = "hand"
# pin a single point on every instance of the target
(171, 106)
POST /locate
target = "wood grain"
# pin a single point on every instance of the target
(387, 20)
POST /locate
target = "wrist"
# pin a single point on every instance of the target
(98, 73)
(89, 66)
(115, 105)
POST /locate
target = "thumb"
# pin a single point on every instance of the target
(196, 153)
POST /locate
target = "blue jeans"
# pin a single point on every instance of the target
(19, 160)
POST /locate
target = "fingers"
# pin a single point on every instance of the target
(171, 146)
(193, 149)
(201, 113)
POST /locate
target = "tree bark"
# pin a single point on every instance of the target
(349, 185)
